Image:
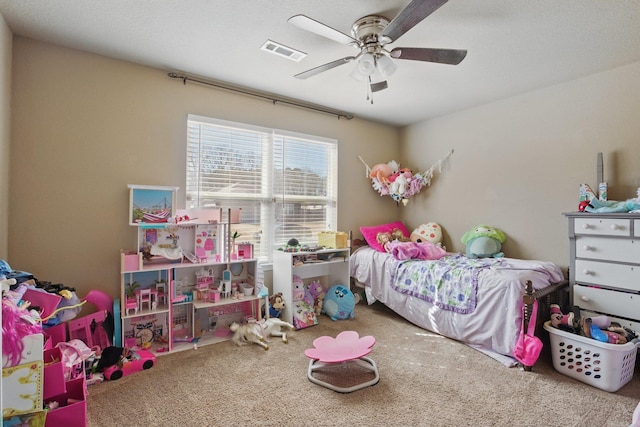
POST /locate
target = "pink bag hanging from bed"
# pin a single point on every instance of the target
(528, 346)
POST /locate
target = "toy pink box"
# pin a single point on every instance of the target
(53, 378)
(130, 261)
(72, 411)
(46, 301)
(53, 335)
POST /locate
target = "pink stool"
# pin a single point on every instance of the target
(346, 347)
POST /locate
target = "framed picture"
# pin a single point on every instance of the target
(151, 204)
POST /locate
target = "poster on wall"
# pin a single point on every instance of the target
(151, 204)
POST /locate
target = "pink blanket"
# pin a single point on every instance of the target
(414, 250)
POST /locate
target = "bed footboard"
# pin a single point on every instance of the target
(554, 294)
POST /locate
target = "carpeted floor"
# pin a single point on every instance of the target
(425, 380)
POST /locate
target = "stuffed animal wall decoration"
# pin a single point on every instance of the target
(339, 303)
(484, 242)
(429, 232)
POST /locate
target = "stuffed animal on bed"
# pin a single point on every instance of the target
(429, 232)
(484, 242)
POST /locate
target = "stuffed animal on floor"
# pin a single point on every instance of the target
(484, 242)
(339, 303)
(276, 305)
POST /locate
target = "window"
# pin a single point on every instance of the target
(285, 183)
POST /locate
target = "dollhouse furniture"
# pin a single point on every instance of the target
(490, 318)
(131, 304)
(346, 349)
(145, 296)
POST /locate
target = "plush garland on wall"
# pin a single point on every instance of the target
(389, 179)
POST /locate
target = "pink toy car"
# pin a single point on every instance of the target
(135, 361)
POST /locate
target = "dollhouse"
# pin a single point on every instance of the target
(177, 284)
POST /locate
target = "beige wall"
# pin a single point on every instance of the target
(5, 132)
(518, 162)
(85, 126)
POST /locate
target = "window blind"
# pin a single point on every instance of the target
(285, 182)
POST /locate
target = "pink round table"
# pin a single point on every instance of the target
(346, 347)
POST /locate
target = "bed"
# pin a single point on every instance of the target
(479, 303)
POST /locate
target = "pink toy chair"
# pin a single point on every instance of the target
(346, 347)
(131, 305)
(144, 296)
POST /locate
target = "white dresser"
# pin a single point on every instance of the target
(604, 272)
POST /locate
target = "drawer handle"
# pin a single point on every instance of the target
(585, 298)
(586, 226)
(615, 227)
(588, 248)
(588, 272)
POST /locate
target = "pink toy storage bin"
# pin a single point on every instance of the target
(53, 379)
(72, 411)
(130, 261)
(602, 365)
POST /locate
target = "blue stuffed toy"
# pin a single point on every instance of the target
(484, 242)
(339, 303)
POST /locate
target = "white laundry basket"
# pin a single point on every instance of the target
(602, 365)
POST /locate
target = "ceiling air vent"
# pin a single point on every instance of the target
(282, 50)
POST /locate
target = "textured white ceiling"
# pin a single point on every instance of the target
(514, 46)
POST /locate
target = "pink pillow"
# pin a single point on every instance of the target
(370, 234)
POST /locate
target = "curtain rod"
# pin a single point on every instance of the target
(257, 94)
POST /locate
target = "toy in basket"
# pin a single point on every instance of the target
(602, 365)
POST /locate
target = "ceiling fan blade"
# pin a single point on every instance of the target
(441, 56)
(324, 67)
(411, 15)
(309, 24)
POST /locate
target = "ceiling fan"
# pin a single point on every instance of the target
(370, 35)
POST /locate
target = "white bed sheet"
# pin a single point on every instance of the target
(492, 327)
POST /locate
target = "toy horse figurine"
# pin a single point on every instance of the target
(273, 327)
(249, 333)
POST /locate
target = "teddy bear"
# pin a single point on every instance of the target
(484, 242)
(429, 232)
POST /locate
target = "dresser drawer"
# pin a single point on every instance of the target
(636, 228)
(607, 301)
(610, 249)
(621, 276)
(602, 226)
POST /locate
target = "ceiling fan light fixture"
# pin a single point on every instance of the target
(386, 66)
(367, 64)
